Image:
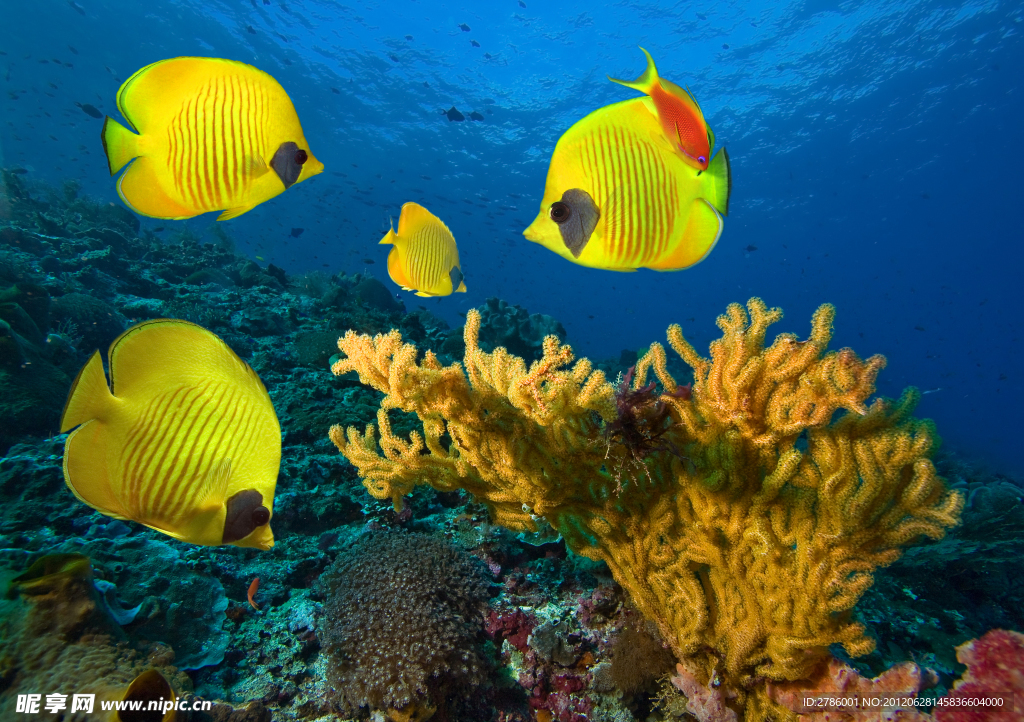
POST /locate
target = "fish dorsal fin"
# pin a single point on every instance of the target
(414, 218)
(155, 356)
(152, 95)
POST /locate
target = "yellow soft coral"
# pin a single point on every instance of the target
(751, 535)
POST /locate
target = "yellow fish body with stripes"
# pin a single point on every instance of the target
(183, 440)
(619, 196)
(424, 257)
(212, 135)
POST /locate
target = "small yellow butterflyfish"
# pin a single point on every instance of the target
(184, 439)
(154, 696)
(619, 195)
(424, 257)
(212, 135)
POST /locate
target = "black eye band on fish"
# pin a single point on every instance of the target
(456, 275)
(287, 163)
(245, 513)
(577, 216)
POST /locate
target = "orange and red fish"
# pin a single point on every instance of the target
(678, 113)
(252, 593)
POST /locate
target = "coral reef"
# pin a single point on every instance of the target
(992, 688)
(750, 547)
(400, 625)
(556, 620)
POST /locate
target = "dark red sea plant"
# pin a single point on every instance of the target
(641, 421)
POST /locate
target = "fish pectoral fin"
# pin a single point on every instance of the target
(234, 212)
(254, 166)
(213, 488)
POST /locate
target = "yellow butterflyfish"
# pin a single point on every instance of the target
(213, 135)
(184, 439)
(424, 258)
(619, 195)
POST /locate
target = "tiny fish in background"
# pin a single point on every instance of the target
(475, 116)
(184, 439)
(213, 135)
(474, 43)
(454, 115)
(296, 232)
(424, 258)
(90, 110)
(252, 593)
(464, 28)
(680, 116)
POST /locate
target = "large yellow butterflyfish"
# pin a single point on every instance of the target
(620, 196)
(183, 440)
(424, 257)
(213, 135)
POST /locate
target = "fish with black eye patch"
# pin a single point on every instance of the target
(184, 439)
(424, 257)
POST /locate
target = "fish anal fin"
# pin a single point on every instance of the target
(396, 271)
(703, 229)
(142, 189)
(425, 295)
(86, 472)
(234, 212)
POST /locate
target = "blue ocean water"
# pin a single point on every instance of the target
(875, 149)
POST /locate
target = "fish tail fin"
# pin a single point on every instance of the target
(647, 80)
(390, 238)
(719, 183)
(90, 396)
(119, 143)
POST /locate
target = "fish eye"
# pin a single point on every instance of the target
(560, 212)
(702, 159)
(261, 514)
(301, 156)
